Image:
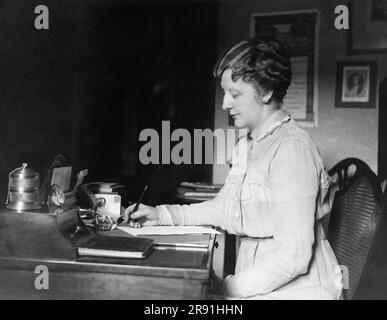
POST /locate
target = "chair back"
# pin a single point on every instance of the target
(354, 223)
(348, 170)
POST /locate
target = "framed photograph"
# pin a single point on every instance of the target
(356, 84)
(299, 30)
(62, 177)
(368, 27)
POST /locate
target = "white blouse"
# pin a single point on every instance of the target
(273, 198)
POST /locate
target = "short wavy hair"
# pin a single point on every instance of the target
(264, 62)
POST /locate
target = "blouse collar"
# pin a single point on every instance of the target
(272, 125)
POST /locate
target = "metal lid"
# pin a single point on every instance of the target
(23, 173)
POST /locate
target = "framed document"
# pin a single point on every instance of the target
(368, 27)
(299, 30)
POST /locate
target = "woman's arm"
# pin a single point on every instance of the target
(204, 213)
(208, 212)
(294, 183)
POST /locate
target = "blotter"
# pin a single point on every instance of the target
(117, 247)
(167, 230)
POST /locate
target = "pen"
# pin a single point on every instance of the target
(121, 218)
(138, 202)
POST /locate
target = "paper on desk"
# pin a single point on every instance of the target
(167, 230)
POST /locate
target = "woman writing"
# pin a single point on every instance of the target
(273, 195)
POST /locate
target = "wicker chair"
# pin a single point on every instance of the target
(348, 170)
(356, 229)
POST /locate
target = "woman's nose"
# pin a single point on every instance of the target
(226, 103)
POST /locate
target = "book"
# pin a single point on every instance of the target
(188, 192)
(200, 194)
(201, 185)
(117, 247)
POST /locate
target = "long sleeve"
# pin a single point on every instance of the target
(211, 212)
(205, 213)
(294, 185)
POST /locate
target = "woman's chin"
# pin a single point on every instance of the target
(239, 123)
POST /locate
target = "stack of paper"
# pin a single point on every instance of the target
(168, 230)
(197, 190)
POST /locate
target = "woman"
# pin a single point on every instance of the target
(274, 196)
(355, 86)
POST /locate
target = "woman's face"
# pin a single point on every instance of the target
(356, 80)
(242, 101)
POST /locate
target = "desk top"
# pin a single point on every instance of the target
(19, 249)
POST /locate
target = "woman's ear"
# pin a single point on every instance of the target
(267, 97)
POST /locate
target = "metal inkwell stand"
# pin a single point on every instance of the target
(38, 222)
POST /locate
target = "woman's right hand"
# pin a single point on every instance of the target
(144, 216)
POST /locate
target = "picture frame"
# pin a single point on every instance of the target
(368, 27)
(356, 84)
(300, 31)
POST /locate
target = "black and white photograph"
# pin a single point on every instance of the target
(355, 84)
(211, 151)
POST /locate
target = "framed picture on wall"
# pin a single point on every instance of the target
(299, 30)
(356, 84)
(368, 27)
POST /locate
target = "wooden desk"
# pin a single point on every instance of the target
(166, 273)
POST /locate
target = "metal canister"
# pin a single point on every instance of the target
(23, 189)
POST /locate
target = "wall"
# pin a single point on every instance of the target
(101, 73)
(341, 132)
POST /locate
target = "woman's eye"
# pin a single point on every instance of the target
(235, 94)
